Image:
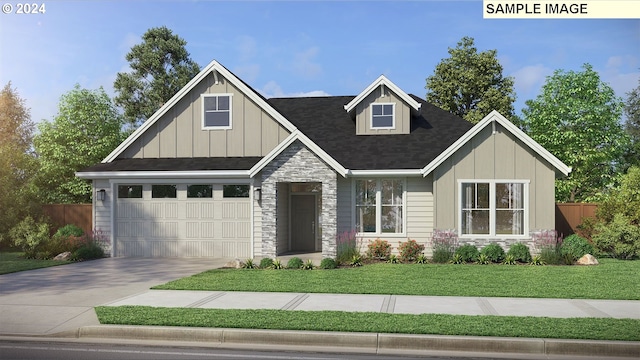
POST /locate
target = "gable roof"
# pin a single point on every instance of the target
(382, 81)
(508, 125)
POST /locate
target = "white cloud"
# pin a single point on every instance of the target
(304, 65)
(620, 75)
(272, 89)
(529, 79)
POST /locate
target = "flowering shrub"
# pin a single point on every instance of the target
(410, 250)
(379, 249)
(346, 246)
(443, 245)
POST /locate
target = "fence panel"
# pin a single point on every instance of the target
(569, 216)
(77, 214)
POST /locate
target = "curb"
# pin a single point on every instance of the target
(379, 343)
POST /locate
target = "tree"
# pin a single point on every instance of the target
(577, 118)
(85, 130)
(470, 84)
(17, 163)
(632, 126)
(160, 67)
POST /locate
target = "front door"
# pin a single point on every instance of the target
(303, 223)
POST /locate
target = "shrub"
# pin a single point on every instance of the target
(379, 249)
(393, 259)
(483, 259)
(520, 252)
(443, 245)
(328, 263)
(346, 246)
(494, 252)
(509, 259)
(308, 265)
(574, 247)
(88, 251)
(248, 264)
(356, 260)
(421, 259)
(277, 264)
(266, 263)
(467, 253)
(69, 230)
(536, 260)
(619, 238)
(294, 263)
(410, 250)
(457, 259)
(30, 236)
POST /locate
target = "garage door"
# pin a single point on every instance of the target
(183, 220)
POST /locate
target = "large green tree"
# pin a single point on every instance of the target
(160, 66)
(85, 130)
(470, 84)
(17, 163)
(632, 126)
(577, 118)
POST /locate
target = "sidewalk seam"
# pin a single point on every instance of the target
(588, 308)
(486, 306)
(295, 302)
(206, 299)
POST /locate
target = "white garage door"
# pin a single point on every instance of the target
(182, 220)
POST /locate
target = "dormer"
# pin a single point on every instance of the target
(382, 109)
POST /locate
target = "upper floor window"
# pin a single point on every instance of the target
(216, 111)
(382, 116)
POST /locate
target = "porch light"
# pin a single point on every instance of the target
(257, 194)
(101, 194)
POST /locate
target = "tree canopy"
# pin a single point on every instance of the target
(577, 118)
(85, 130)
(470, 84)
(160, 66)
(632, 126)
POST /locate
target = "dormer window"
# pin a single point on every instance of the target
(216, 111)
(382, 116)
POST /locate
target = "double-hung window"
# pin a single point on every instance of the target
(382, 116)
(379, 206)
(493, 207)
(216, 111)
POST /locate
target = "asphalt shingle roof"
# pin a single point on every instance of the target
(177, 164)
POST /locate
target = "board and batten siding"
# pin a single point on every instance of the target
(498, 155)
(402, 114)
(178, 133)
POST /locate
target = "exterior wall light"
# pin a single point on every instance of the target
(101, 194)
(257, 194)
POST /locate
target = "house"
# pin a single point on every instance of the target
(221, 171)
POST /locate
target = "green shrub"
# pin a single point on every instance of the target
(468, 253)
(551, 255)
(509, 259)
(574, 247)
(520, 252)
(443, 245)
(328, 263)
(277, 264)
(248, 264)
(379, 249)
(483, 259)
(266, 263)
(346, 246)
(393, 259)
(441, 256)
(410, 250)
(356, 260)
(494, 252)
(421, 259)
(619, 238)
(536, 260)
(308, 265)
(69, 230)
(294, 263)
(30, 236)
(88, 251)
(457, 259)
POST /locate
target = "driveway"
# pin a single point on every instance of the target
(61, 298)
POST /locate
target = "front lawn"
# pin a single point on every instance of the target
(504, 326)
(612, 279)
(13, 262)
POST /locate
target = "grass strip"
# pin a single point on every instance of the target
(11, 262)
(612, 279)
(502, 326)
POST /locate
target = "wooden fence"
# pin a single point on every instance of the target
(79, 215)
(569, 216)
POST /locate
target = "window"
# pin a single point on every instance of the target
(382, 116)
(379, 206)
(216, 111)
(163, 191)
(493, 208)
(199, 191)
(129, 191)
(235, 191)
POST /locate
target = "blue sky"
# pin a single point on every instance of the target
(296, 48)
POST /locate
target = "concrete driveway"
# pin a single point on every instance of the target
(61, 298)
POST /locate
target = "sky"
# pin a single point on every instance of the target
(302, 48)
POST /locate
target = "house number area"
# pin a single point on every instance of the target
(26, 8)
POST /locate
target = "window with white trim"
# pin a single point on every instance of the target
(383, 116)
(216, 111)
(493, 207)
(379, 206)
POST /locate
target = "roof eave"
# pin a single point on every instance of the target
(192, 174)
(382, 80)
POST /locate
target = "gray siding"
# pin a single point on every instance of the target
(345, 205)
(402, 114)
(179, 133)
(419, 210)
(102, 209)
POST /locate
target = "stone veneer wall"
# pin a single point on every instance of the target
(298, 164)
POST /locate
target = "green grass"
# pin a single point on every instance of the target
(612, 279)
(503, 326)
(11, 262)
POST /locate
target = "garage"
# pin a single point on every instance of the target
(182, 220)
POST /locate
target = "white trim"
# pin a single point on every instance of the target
(385, 173)
(192, 174)
(226, 127)
(213, 66)
(393, 116)
(497, 117)
(112, 221)
(382, 81)
(378, 232)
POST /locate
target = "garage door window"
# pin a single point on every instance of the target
(235, 191)
(163, 191)
(199, 191)
(129, 191)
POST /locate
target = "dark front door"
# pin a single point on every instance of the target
(303, 223)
